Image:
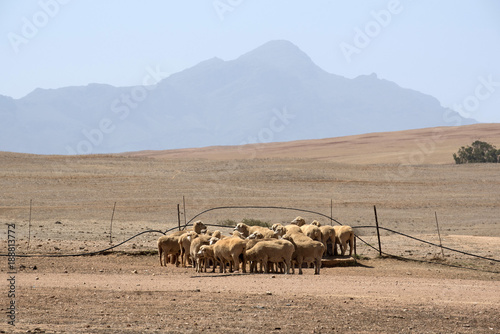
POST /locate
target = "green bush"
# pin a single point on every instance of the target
(255, 222)
(478, 152)
(227, 222)
(249, 222)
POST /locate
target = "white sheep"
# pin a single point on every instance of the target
(230, 250)
(306, 250)
(168, 245)
(246, 230)
(206, 254)
(274, 251)
(280, 230)
(344, 234)
(328, 236)
(197, 240)
(299, 221)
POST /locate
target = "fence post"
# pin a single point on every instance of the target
(331, 211)
(178, 216)
(111, 225)
(184, 209)
(439, 234)
(29, 225)
(378, 232)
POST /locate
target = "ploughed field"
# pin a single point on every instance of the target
(126, 290)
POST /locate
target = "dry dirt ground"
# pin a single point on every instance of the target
(126, 291)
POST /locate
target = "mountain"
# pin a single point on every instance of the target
(270, 94)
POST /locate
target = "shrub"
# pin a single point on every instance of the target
(249, 222)
(255, 222)
(227, 222)
(479, 151)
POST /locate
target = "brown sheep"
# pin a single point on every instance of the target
(344, 234)
(230, 250)
(306, 250)
(275, 251)
(168, 245)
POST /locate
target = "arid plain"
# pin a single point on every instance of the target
(410, 177)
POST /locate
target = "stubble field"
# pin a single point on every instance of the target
(126, 291)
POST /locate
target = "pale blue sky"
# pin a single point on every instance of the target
(449, 49)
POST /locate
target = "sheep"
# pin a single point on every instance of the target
(238, 234)
(217, 234)
(275, 226)
(198, 227)
(263, 233)
(230, 250)
(344, 234)
(168, 245)
(252, 241)
(206, 253)
(197, 240)
(185, 244)
(281, 230)
(312, 231)
(299, 221)
(328, 236)
(247, 230)
(306, 250)
(328, 233)
(275, 251)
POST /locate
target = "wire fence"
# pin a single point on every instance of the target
(331, 219)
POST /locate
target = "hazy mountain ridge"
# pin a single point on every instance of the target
(272, 93)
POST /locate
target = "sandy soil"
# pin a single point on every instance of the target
(127, 291)
(132, 294)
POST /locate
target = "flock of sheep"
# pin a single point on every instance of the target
(278, 249)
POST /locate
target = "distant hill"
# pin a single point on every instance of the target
(409, 147)
(274, 93)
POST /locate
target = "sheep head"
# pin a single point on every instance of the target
(315, 222)
(242, 228)
(298, 221)
(198, 227)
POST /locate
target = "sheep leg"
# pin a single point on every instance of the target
(244, 264)
(236, 261)
(287, 266)
(165, 258)
(265, 263)
(300, 260)
(317, 266)
(160, 252)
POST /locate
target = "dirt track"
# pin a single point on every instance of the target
(132, 294)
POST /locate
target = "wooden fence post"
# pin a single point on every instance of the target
(29, 225)
(178, 216)
(439, 233)
(111, 225)
(378, 232)
(184, 209)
